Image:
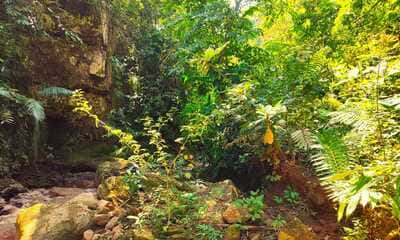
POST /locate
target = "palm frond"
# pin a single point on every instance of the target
(55, 91)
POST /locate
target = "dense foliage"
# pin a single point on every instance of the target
(216, 89)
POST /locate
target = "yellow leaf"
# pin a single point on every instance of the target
(268, 136)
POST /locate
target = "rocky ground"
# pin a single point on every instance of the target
(75, 209)
(14, 196)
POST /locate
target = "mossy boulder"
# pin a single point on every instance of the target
(295, 229)
(217, 197)
(57, 221)
(232, 233)
(115, 167)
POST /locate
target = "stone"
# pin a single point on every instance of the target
(104, 206)
(101, 219)
(117, 232)
(234, 214)
(7, 228)
(65, 192)
(107, 169)
(88, 235)
(88, 199)
(143, 234)
(117, 212)
(285, 236)
(96, 236)
(2, 202)
(10, 188)
(113, 188)
(112, 223)
(217, 197)
(8, 209)
(232, 233)
(57, 221)
(27, 199)
(295, 229)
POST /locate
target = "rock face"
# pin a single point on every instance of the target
(70, 46)
(80, 57)
(58, 221)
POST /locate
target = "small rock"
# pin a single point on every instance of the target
(96, 236)
(64, 192)
(88, 235)
(235, 214)
(104, 206)
(10, 188)
(112, 223)
(8, 209)
(101, 219)
(232, 233)
(296, 229)
(117, 232)
(88, 199)
(30, 198)
(117, 212)
(285, 236)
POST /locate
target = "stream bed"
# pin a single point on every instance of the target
(16, 196)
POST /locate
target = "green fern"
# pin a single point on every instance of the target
(34, 107)
(55, 91)
(6, 117)
(331, 153)
(360, 116)
(303, 139)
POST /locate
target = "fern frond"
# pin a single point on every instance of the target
(35, 109)
(303, 139)
(6, 117)
(331, 154)
(55, 91)
(7, 93)
(359, 119)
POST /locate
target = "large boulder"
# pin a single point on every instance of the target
(58, 221)
(217, 197)
(7, 228)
